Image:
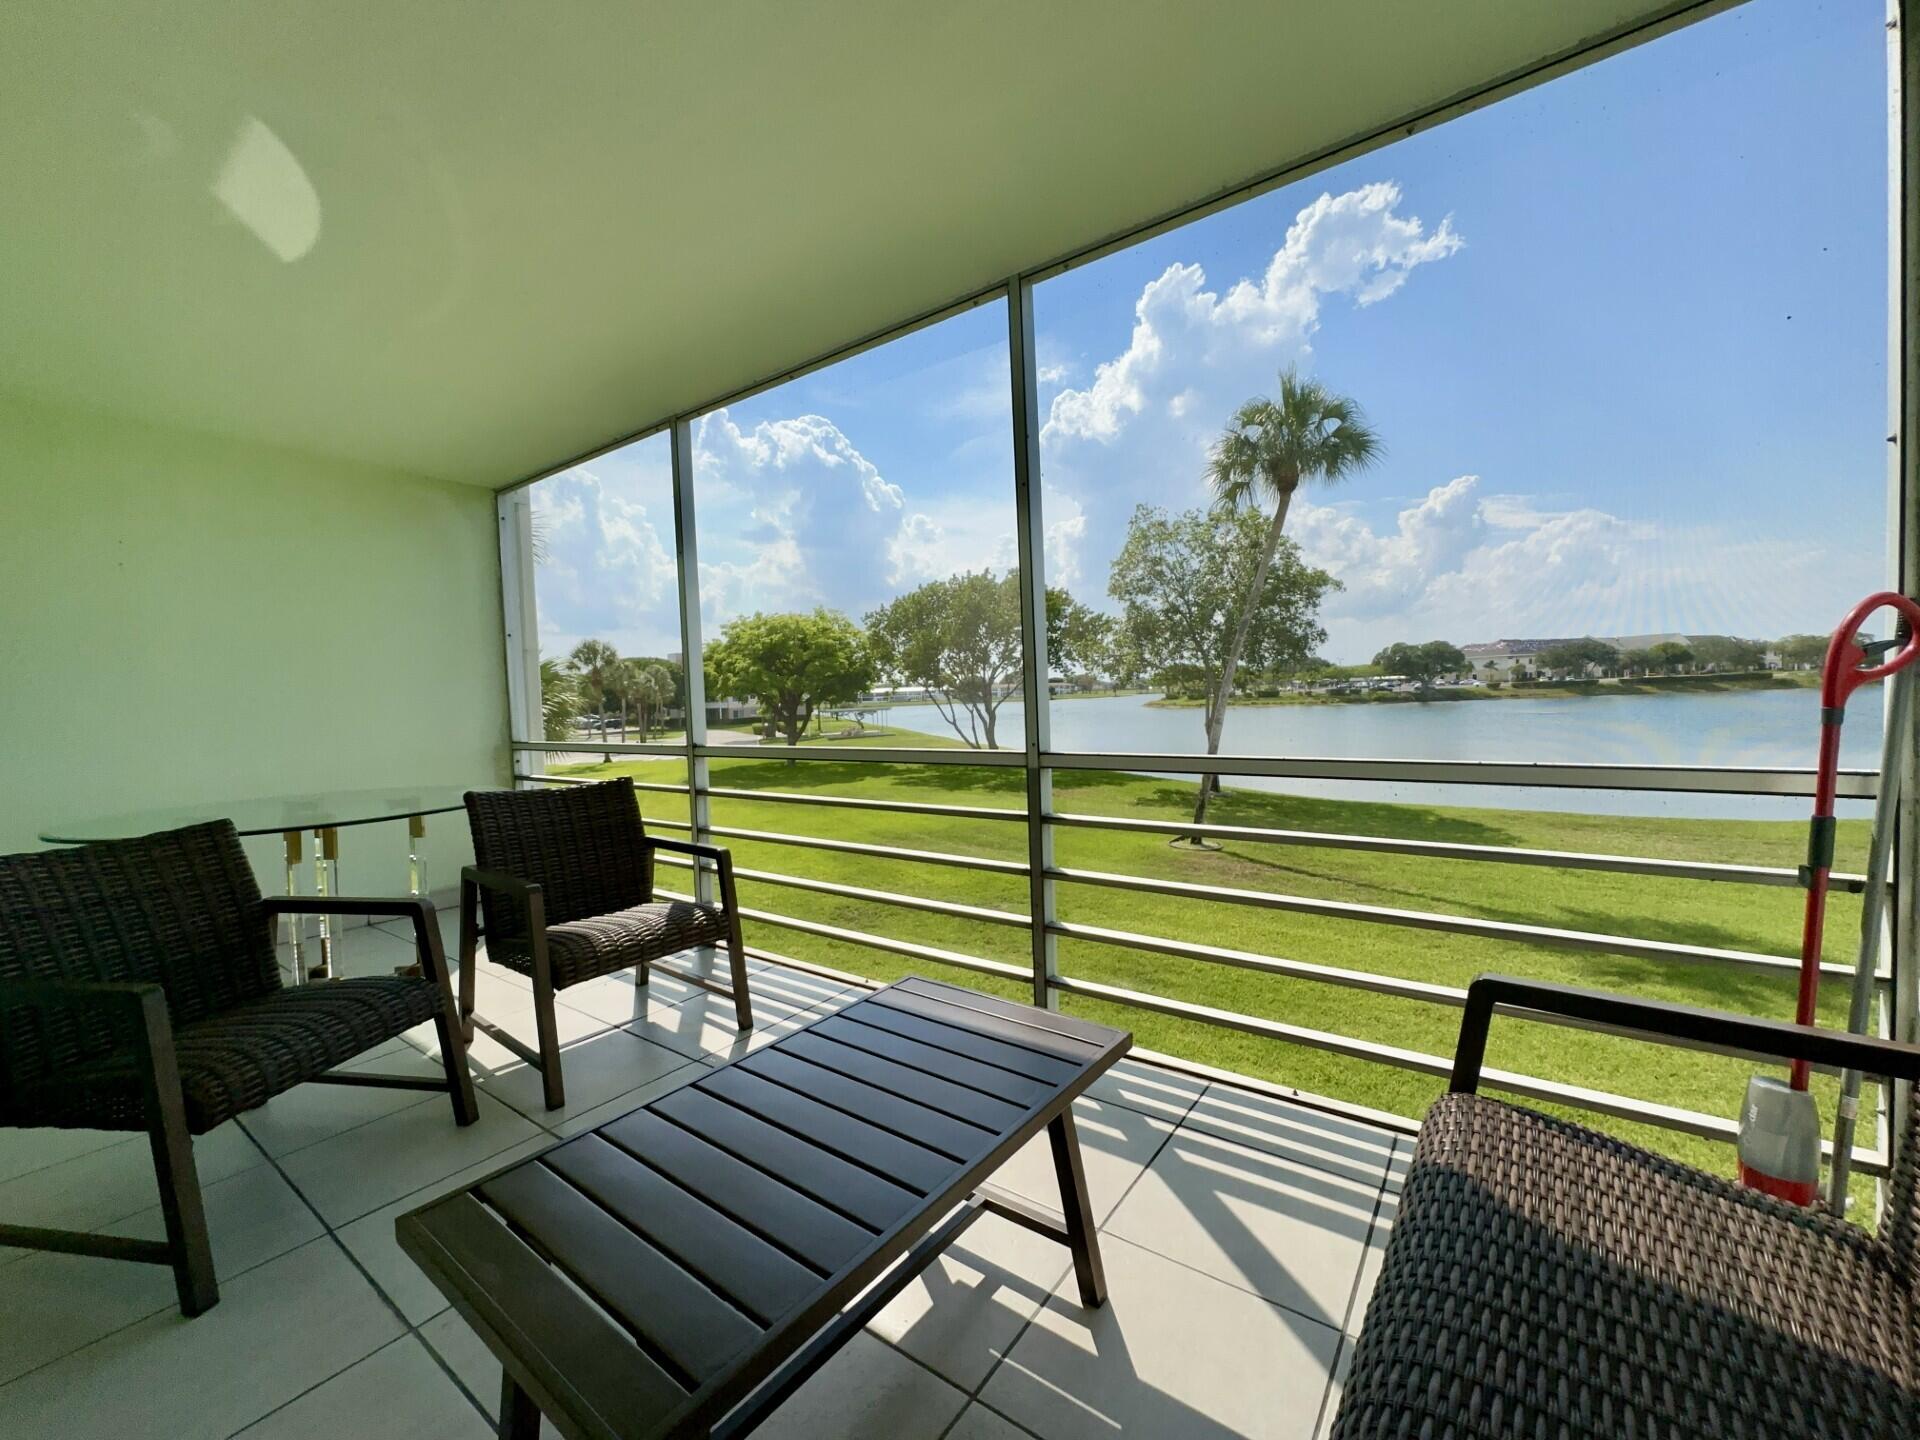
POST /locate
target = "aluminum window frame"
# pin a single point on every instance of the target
(1898, 977)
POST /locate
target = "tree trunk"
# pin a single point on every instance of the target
(1223, 691)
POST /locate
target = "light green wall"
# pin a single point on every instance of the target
(185, 619)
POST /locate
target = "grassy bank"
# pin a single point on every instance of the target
(1704, 913)
(1537, 690)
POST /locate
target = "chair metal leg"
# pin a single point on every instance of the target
(180, 1204)
(448, 1023)
(453, 1057)
(1083, 1237)
(519, 1416)
(172, 1142)
(737, 958)
(549, 1037)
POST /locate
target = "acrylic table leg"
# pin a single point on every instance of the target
(416, 875)
(416, 872)
(295, 923)
(326, 862)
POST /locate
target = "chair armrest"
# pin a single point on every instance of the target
(346, 905)
(500, 882)
(721, 857)
(124, 997)
(136, 1009)
(1660, 1019)
(719, 854)
(419, 909)
(525, 896)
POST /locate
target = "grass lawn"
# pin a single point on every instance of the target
(1724, 915)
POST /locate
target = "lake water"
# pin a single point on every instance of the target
(1741, 727)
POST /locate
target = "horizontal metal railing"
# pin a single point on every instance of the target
(1683, 779)
(895, 807)
(1532, 1087)
(1549, 775)
(1791, 781)
(877, 852)
(1450, 924)
(1450, 850)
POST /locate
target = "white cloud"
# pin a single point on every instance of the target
(608, 568)
(1463, 566)
(1139, 429)
(1383, 573)
(1354, 244)
(793, 515)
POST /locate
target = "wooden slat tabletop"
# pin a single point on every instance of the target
(642, 1279)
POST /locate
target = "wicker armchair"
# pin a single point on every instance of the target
(1546, 1280)
(563, 879)
(139, 991)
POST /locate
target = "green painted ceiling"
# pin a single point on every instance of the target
(473, 239)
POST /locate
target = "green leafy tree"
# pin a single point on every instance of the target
(598, 666)
(559, 700)
(1306, 435)
(1728, 652)
(1576, 657)
(792, 664)
(1079, 639)
(1422, 664)
(1669, 657)
(959, 638)
(1801, 652)
(1180, 579)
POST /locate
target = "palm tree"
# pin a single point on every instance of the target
(559, 700)
(652, 687)
(1307, 435)
(598, 665)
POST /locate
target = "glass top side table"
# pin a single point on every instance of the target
(324, 813)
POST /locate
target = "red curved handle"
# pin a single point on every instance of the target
(1843, 673)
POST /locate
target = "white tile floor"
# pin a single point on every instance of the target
(1240, 1234)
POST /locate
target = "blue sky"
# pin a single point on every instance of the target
(1624, 336)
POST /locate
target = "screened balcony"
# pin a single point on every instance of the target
(1256, 1225)
(376, 422)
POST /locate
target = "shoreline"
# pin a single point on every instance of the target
(1540, 690)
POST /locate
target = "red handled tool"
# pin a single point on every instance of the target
(1845, 672)
(1779, 1126)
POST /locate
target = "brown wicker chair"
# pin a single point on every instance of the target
(1547, 1280)
(139, 991)
(563, 878)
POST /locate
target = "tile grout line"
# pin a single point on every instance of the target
(171, 1304)
(268, 1414)
(1099, 1228)
(972, 1398)
(127, 1139)
(1000, 1415)
(1245, 1290)
(1353, 1295)
(354, 1260)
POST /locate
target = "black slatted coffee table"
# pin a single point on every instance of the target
(681, 1270)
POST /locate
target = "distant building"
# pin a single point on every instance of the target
(1503, 657)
